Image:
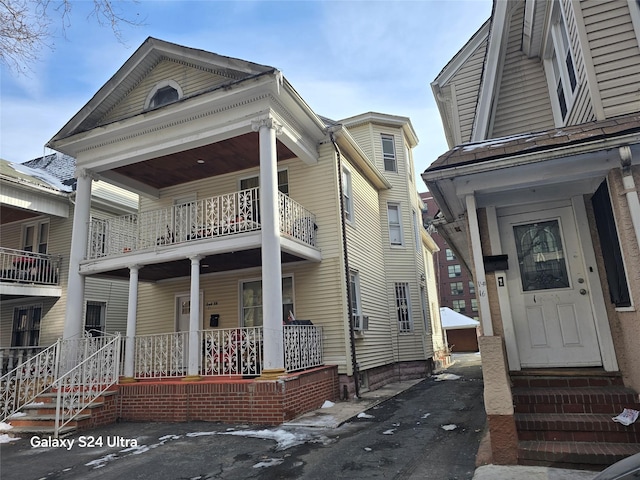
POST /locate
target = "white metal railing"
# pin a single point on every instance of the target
(84, 383)
(296, 221)
(302, 347)
(163, 355)
(211, 217)
(11, 357)
(232, 351)
(225, 351)
(24, 383)
(28, 267)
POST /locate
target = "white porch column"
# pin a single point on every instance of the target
(478, 263)
(194, 321)
(273, 348)
(132, 311)
(74, 321)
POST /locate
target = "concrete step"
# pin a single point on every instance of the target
(574, 454)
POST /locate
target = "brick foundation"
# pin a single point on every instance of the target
(269, 402)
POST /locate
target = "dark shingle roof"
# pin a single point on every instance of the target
(59, 165)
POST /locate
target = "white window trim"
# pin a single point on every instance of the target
(103, 312)
(158, 86)
(555, 44)
(257, 174)
(399, 207)
(391, 137)
(242, 281)
(416, 230)
(407, 291)
(36, 234)
(347, 186)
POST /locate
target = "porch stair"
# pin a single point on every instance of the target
(564, 418)
(40, 416)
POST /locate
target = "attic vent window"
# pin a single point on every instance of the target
(165, 92)
(163, 96)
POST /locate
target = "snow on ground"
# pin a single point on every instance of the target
(449, 427)
(4, 438)
(446, 376)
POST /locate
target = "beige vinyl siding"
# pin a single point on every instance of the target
(523, 103)
(466, 83)
(191, 80)
(319, 288)
(366, 256)
(114, 293)
(615, 53)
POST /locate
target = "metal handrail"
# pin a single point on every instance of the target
(84, 383)
(21, 266)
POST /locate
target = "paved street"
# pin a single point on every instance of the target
(401, 438)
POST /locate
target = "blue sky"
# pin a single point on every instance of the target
(343, 57)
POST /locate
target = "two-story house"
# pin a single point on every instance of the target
(36, 217)
(541, 110)
(273, 248)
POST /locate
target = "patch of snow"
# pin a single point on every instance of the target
(446, 376)
(34, 404)
(5, 426)
(391, 431)
(41, 175)
(327, 404)
(367, 449)
(18, 414)
(449, 427)
(4, 438)
(272, 462)
(365, 415)
(102, 461)
(425, 415)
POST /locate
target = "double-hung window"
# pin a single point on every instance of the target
(457, 288)
(395, 225)
(26, 326)
(347, 195)
(560, 67)
(459, 306)
(454, 271)
(35, 237)
(389, 153)
(94, 322)
(251, 293)
(354, 294)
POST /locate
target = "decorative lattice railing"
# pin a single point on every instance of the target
(20, 266)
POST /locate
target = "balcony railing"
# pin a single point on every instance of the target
(212, 217)
(27, 267)
(225, 352)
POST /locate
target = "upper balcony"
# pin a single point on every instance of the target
(27, 273)
(207, 222)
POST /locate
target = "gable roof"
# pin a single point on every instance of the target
(58, 165)
(149, 54)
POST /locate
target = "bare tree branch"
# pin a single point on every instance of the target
(26, 26)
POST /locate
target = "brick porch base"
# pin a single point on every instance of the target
(263, 402)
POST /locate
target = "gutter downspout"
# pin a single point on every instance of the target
(346, 266)
(630, 189)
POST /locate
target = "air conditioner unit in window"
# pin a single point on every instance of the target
(360, 322)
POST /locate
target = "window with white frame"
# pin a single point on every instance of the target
(472, 288)
(407, 155)
(459, 306)
(403, 307)
(26, 326)
(163, 93)
(251, 292)
(395, 225)
(474, 304)
(94, 321)
(389, 153)
(347, 195)
(35, 237)
(454, 271)
(254, 181)
(450, 255)
(457, 288)
(560, 67)
(354, 286)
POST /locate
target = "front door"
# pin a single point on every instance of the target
(550, 304)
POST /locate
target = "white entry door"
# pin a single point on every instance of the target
(183, 308)
(550, 305)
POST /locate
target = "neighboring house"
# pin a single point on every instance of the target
(254, 212)
(35, 238)
(456, 289)
(539, 193)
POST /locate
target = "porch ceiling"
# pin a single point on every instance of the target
(234, 154)
(9, 214)
(209, 264)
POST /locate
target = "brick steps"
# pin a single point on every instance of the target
(580, 455)
(40, 415)
(565, 419)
